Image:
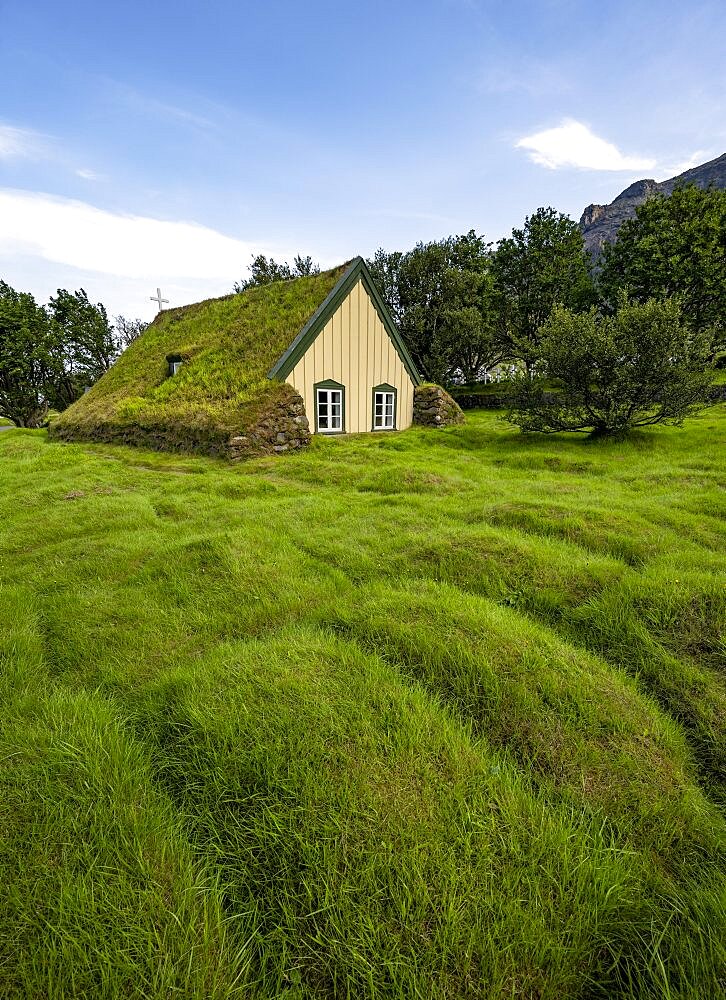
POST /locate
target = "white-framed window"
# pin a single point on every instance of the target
(329, 409)
(384, 408)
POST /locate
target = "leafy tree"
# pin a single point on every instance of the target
(441, 296)
(48, 356)
(264, 271)
(28, 364)
(127, 331)
(541, 265)
(471, 333)
(416, 295)
(674, 246)
(642, 365)
(84, 343)
(385, 269)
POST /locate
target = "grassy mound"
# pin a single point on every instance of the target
(228, 345)
(377, 848)
(102, 895)
(568, 719)
(371, 721)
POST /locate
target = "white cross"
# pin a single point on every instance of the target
(157, 298)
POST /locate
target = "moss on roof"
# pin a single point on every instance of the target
(228, 345)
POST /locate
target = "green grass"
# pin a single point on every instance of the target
(432, 714)
(228, 346)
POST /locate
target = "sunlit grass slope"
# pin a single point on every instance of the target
(221, 389)
(433, 714)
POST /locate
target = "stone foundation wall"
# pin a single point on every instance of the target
(434, 407)
(482, 400)
(282, 428)
(502, 400)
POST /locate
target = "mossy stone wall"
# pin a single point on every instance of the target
(434, 407)
(284, 427)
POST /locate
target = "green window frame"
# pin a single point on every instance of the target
(384, 407)
(329, 405)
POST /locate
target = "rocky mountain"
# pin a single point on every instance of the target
(600, 223)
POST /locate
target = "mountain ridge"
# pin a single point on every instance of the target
(600, 223)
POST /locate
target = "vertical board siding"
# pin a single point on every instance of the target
(354, 349)
(345, 312)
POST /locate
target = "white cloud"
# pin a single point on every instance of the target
(87, 175)
(48, 242)
(19, 142)
(573, 144)
(127, 246)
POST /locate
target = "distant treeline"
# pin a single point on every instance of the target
(465, 305)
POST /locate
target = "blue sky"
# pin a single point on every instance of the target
(159, 143)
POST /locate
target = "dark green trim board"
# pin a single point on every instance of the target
(357, 270)
(385, 387)
(329, 383)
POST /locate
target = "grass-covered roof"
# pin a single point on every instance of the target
(228, 345)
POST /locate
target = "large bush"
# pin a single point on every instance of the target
(605, 374)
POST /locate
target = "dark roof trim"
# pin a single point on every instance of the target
(284, 365)
(328, 383)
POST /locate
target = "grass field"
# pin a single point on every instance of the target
(423, 715)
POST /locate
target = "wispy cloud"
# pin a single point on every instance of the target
(77, 234)
(27, 144)
(573, 144)
(673, 168)
(20, 143)
(153, 107)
